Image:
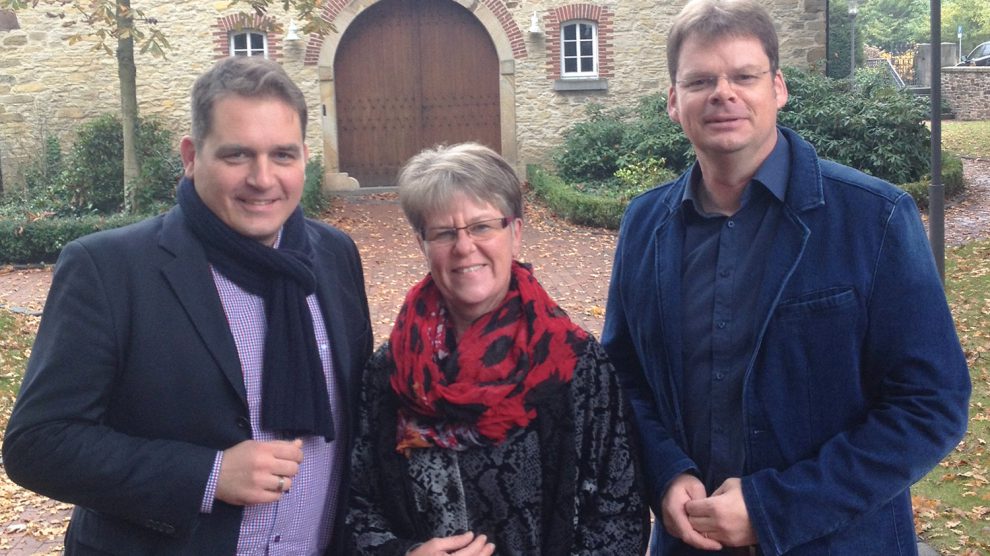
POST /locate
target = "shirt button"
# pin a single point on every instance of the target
(731, 223)
(277, 538)
(719, 376)
(324, 347)
(724, 273)
(721, 324)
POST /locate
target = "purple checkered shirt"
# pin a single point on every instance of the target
(300, 522)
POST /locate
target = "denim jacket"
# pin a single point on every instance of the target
(858, 385)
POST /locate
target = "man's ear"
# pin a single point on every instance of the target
(780, 89)
(187, 149)
(672, 105)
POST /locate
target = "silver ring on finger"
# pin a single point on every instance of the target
(281, 483)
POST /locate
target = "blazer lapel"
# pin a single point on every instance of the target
(328, 292)
(804, 194)
(192, 283)
(669, 247)
(788, 246)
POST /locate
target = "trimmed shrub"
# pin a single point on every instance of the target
(952, 180)
(653, 136)
(640, 176)
(161, 169)
(575, 206)
(866, 123)
(593, 147)
(40, 241)
(313, 201)
(617, 138)
(93, 178)
(46, 170)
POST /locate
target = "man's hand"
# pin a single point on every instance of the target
(258, 472)
(684, 489)
(465, 544)
(723, 516)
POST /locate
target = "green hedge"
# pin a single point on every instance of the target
(952, 179)
(575, 206)
(24, 241)
(605, 212)
(27, 239)
(313, 201)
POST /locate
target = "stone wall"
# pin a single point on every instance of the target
(48, 87)
(967, 91)
(923, 61)
(639, 32)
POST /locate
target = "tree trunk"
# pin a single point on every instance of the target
(128, 103)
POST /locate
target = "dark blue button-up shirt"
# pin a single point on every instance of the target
(723, 262)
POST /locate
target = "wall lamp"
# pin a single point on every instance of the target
(534, 25)
(293, 33)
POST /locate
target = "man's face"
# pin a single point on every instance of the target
(250, 168)
(737, 114)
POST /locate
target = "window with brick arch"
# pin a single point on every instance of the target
(578, 49)
(248, 43)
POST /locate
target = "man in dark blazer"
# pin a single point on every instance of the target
(191, 387)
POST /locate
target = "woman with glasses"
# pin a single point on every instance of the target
(489, 422)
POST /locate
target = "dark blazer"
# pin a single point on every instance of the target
(134, 384)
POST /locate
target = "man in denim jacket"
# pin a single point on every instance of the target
(778, 323)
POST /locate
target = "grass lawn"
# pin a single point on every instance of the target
(970, 139)
(952, 504)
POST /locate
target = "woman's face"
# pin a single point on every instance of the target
(471, 273)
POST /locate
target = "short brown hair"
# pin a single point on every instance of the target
(246, 76)
(430, 180)
(715, 19)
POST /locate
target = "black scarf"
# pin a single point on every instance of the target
(294, 397)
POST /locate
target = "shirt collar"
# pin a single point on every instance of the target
(773, 174)
(776, 169)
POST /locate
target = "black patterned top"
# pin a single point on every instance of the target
(568, 484)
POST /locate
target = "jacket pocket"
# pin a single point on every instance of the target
(807, 375)
(819, 302)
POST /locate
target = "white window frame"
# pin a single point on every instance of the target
(250, 50)
(578, 42)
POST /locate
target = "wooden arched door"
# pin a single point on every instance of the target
(410, 74)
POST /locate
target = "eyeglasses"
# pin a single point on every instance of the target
(707, 83)
(479, 231)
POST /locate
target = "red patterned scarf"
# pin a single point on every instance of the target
(473, 391)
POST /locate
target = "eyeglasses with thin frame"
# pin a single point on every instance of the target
(703, 83)
(478, 231)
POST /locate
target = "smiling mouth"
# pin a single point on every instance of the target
(469, 269)
(258, 202)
